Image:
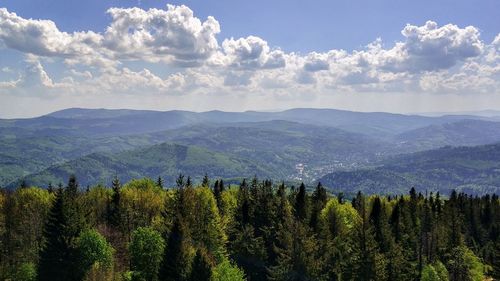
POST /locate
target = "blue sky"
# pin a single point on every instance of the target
(399, 56)
(295, 26)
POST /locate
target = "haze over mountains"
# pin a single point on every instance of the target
(334, 146)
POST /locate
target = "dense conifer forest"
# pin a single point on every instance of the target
(259, 230)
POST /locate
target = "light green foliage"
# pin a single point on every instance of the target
(96, 202)
(146, 250)
(225, 271)
(229, 204)
(429, 273)
(142, 204)
(339, 219)
(436, 272)
(24, 272)
(476, 267)
(248, 232)
(441, 271)
(464, 265)
(94, 250)
(31, 208)
(207, 229)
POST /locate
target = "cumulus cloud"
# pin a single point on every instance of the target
(429, 58)
(430, 47)
(251, 53)
(316, 62)
(174, 34)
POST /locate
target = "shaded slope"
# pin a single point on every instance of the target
(474, 170)
(166, 160)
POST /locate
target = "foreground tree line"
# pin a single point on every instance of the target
(257, 231)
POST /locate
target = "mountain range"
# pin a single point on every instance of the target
(332, 146)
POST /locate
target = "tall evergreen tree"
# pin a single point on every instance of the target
(379, 221)
(319, 198)
(301, 203)
(114, 212)
(366, 264)
(59, 258)
(218, 193)
(202, 267)
(159, 182)
(72, 188)
(205, 182)
(176, 263)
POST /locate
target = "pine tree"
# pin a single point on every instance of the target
(319, 199)
(72, 188)
(202, 267)
(217, 190)
(205, 182)
(23, 184)
(159, 182)
(114, 212)
(176, 261)
(379, 221)
(221, 186)
(365, 267)
(58, 258)
(301, 203)
(180, 181)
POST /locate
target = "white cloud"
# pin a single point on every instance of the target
(430, 47)
(430, 59)
(174, 34)
(251, 53)
(316, 62)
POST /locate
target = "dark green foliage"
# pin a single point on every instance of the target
(319, 199)
(176, 262)
(260, 230)
(159, 182)
(202, 267)
(59, 257)
(301, 203)
(114, 213)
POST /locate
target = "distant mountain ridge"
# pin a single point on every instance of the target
(122, 122)
(299, 144)
(474, 170)
(460, 133)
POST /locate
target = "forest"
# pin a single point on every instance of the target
(258, 230)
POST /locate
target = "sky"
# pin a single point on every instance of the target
(388, 55)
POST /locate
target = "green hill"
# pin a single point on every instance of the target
(165, 160)
(474, 170)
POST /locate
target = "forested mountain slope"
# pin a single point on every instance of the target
(474, 170)
(258, 231)
(165, 160)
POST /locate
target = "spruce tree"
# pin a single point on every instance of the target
(159, 182)
(319, 199)
(205, 182)
(202, 267)
(58, 258)
(217, 190)
(176, 261)
(365, 246)
(301, 203)
(114, 212)
(379, 221)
